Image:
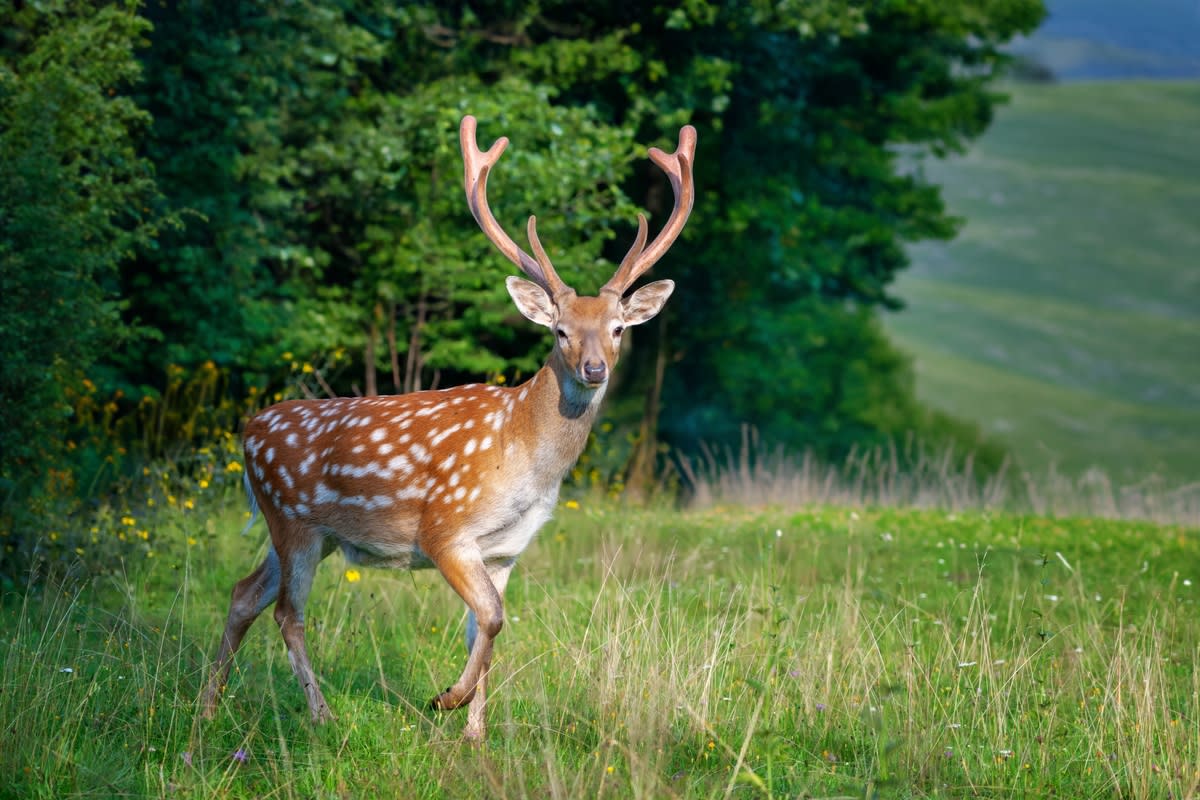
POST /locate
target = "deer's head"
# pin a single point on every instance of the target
(587, 330)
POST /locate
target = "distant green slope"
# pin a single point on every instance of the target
(1066, 316)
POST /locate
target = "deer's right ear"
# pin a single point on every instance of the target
(531, 300)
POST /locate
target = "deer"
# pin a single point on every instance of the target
(457, 479)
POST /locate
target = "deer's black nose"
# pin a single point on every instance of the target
(595, 371)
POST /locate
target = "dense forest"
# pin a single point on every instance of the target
(205, 204)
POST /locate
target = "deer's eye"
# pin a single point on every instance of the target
(561, 334)
(617, 331)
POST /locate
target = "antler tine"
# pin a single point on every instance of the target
(476, 166)
(678, 167)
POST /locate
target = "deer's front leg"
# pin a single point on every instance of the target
(475, 728)
(465, 572)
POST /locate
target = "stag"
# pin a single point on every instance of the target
(459, 479)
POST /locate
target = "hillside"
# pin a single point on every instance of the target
(1090, 39)
(1066, 315)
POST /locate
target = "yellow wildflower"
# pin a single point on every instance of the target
(189, 504)
(353, 576)
(233, 466)
(572, 504)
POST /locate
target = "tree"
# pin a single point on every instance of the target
(813, 119)
(316, 145)
(76, 201)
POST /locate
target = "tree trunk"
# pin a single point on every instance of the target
(369, 355)
(413, 364)
(397, 386)
(639, 476)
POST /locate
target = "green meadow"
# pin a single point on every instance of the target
(1065, 318)
(818, 653)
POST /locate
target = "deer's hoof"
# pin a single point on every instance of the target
(450, 700)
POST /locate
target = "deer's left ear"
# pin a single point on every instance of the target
(646, 302)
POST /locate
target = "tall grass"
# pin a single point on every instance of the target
(915, 477)
(724, 653)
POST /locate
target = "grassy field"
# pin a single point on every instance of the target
(1066, 316)
(822, 653)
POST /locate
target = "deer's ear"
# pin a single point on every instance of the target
(646, 302)
(531, 300)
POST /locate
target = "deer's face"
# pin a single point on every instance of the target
(587, 330)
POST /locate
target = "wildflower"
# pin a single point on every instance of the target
(191, 540)
(610, 769)
(233, 466)
(307, 368)
(572, 504)
(203, 483)
(189, 504)
(240, 755)
(128, 520)
(353, 576)
(286, 356)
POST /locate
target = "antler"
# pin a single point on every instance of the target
(477, 165)
(639, 259)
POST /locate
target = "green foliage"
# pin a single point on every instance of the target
(310, 152)
(76, 200)
(338, 215)
(101, 505)
(317, 147)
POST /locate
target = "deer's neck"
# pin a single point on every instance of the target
(560, 412)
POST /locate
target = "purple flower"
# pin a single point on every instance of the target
(239, 754)
(820, 706)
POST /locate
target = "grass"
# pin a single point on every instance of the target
(1066, 316)
(825, 652)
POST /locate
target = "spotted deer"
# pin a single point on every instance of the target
(459, 479)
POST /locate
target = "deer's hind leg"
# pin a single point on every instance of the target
(250, 597)
(301, 550)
